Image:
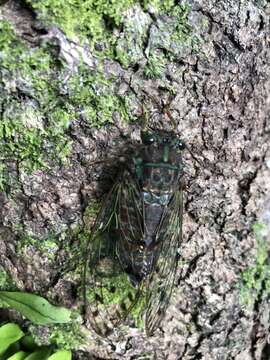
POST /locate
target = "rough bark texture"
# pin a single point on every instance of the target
(221, 107)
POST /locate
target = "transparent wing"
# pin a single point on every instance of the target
(131, 226)
(109, 294)
(161, 280)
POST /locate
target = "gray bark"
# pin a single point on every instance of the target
(222, 108)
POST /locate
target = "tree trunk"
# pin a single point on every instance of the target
(214, 59)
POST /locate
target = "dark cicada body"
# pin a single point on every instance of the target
(134, 248)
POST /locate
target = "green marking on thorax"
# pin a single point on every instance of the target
(161, 165)
(166, 153)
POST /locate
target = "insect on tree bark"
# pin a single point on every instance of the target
(133, 252)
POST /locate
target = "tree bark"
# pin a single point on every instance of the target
(221, 107)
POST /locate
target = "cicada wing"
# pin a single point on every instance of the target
(96, 261)
(161, 280)
(110, 295)
(131, 224)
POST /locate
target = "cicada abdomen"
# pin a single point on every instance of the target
(133, 250)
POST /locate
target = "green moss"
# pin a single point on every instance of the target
(130, 45)
(117, 292)
(204, 23)
(155, 66)
(160, 5)
(89, 19)
(30, 132)
(3, 177)
(9, 45)
(138, 312)
(6, 282)
(22, 346)
(67, 336)
(93, 97)
(92, 210)
(102, 24)
(33, 129)
(256, 278)
(174, 33)
(94, 20)
(171, 34)
(17, 140)
(120, 285)
(48, 246)
(182, 28)
(122, 56)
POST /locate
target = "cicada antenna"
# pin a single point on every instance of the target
(145, 118)
(145, 113)
(99, 162)
(169, 114)
(193, 156)
(112, 159)
(163, 108)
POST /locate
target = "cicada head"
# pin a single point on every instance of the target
(159, 163)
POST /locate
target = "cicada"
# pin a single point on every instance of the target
(133, 252)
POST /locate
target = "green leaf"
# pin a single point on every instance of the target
(21, 355)
(35, 308)
(12, 349)
(61, 355)
(9, 334)
(42, 354)
(28, 343)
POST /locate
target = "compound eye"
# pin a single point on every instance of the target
(148, 139)
(181, 145)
